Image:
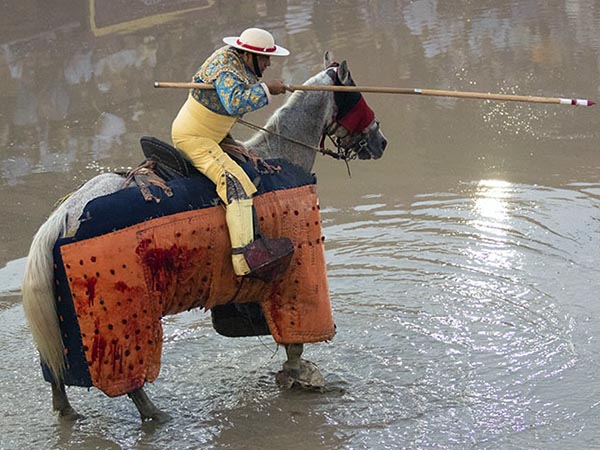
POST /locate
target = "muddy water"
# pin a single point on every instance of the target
(463, 266)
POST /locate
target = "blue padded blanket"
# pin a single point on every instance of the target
(128, 207)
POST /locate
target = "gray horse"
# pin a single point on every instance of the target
(293, 133)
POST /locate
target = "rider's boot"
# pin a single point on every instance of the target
(255, 256)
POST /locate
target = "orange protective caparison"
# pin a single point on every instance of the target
(124, 282)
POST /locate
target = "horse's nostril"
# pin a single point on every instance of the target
(384, 144)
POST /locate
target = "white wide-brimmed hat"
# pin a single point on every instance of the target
(256, 40)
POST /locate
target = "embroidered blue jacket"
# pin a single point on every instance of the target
(237, 90)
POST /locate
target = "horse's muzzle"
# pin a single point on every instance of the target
(374, 145)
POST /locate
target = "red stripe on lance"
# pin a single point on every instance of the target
(576, 102)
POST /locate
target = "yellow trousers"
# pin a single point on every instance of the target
(197, 131)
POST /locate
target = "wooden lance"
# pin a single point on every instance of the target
(405, 91)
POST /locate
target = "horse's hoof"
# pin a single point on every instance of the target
(158, 417)
(306, 376)
(69, 415)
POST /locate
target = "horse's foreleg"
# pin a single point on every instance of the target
(298, 372)
(60, 402)
(147, 409)
(294, 354)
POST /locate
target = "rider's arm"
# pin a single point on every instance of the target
(238, 98)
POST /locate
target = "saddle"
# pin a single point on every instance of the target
(163, 163)
(170, 163)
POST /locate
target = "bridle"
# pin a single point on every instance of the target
(348, 145)
(353, 122)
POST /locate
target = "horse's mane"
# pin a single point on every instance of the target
(298, 116)
(320, 78)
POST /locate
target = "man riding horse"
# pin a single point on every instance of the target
(97, 284)
(201, 131)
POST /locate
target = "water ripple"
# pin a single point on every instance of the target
(461, 306)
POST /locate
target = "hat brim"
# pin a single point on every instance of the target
(279, 51)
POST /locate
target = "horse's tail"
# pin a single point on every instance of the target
(38, 294)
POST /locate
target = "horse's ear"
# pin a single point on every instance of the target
(327, 59)
(344, 73)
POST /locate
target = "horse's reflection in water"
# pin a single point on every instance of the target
(305, 119)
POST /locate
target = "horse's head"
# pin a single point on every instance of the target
(354, 128)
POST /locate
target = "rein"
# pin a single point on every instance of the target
(342, 153)
(350, 128)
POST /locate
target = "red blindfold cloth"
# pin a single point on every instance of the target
(358, 118)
